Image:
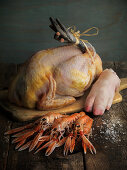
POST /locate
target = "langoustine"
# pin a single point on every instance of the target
(53, 130)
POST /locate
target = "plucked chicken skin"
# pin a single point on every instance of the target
(54, 77)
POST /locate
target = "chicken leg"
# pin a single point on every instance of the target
(51, 100)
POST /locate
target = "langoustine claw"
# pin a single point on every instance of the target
(58, 132)
(82, 129)
(83, 125)
(53, 130)
(33, 130)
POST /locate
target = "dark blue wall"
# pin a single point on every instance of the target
(24, 26)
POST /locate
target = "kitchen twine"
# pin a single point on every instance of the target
(77, 35)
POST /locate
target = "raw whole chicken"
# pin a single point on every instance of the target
(54, 77)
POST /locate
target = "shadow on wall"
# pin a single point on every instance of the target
(24, 27)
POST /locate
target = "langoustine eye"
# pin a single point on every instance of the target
(54, 129)
(44, 119)
(77, 126)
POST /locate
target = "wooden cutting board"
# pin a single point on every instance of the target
(24, 114)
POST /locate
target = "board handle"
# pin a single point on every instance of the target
(123, 85)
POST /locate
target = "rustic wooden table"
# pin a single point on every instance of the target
(109, 137)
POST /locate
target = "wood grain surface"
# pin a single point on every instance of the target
(109, 136)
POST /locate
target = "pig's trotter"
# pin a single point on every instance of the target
(102, 93)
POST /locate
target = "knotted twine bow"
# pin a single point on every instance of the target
(77, 35)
